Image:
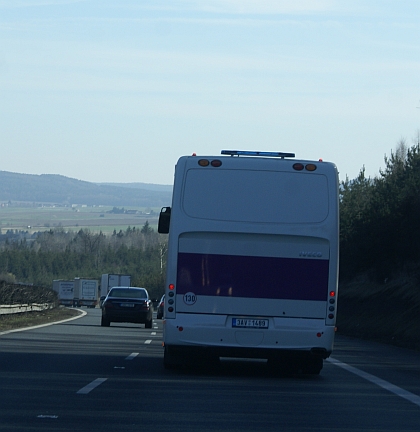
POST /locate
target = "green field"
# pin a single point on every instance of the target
(33, 219)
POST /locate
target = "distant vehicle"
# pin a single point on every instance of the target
(252, 265)
(127, 304)
(110, 280)
(65, 291)
(85, 292)
(160, 307)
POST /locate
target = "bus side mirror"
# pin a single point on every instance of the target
(164, 220)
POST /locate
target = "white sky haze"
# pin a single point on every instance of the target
(116, 91)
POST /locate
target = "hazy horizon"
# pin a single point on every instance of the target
(105, 91)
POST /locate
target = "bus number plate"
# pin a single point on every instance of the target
(250, 323)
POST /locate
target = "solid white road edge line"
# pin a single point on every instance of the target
(45, 325)
(378, 381)
(131, 356)
(87, 389)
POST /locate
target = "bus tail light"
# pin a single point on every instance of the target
(171, 298)
(308, 167)
(214, 163)
(331, 302)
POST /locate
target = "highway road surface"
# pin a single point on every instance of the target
(79, 376)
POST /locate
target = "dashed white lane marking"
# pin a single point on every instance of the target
(131, 356)
(148, 341)
(153, 334)
(378, 381)
(87, 389)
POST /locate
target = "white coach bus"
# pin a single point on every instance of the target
(252, 266)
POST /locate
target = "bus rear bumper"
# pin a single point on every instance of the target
(215, 336)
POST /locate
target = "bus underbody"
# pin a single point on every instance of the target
(290, 345)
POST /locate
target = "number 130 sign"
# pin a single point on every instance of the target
(190, 298)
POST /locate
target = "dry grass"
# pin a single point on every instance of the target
(29, 319)
(386, 312)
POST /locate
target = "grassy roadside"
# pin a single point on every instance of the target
(29, 319)
(385, 312)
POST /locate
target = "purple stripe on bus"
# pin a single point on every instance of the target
(253, 277)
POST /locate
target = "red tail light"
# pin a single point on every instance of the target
(331, 308)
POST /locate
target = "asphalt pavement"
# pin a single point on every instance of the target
(79, 376)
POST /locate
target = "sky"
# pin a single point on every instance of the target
(117, 91)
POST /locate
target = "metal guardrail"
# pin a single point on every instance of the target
(19, 308)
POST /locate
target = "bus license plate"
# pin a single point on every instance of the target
(250, 323)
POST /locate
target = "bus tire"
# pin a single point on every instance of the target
(282, 366)
(313, 366)
(170, 360)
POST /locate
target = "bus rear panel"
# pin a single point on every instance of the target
(252, 261)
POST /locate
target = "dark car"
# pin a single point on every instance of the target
(160, 307)
(127, 304)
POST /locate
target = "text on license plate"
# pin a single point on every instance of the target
(250, 322)
(127, 304)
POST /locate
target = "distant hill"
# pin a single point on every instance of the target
(147, 186)
(58, 189)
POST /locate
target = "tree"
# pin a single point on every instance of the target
(147, 229)
(380, 217)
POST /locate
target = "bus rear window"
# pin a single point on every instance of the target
(255, 196)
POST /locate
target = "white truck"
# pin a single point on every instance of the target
(65, 291)
(110, 280)
(85, 292)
